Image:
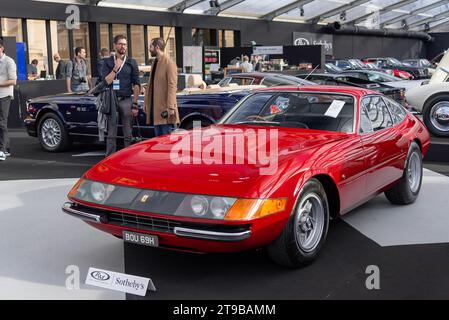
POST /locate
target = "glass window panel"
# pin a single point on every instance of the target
(170, 39)
(119, 29)
(37, 44)
(81, 39)
(12, 28)
(104, 36)
(229, 38)
(137, 44)
(59, 41)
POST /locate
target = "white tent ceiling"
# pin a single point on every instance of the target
(429, 15)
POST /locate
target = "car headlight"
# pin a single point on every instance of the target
(219, 207)
(199, 205)
(174, 203)
(91, 191)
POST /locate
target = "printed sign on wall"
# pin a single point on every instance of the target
(308, 39)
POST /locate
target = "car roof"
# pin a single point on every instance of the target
(355, 91)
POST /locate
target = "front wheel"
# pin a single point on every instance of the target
(305, 232)
(436, 115)
(52, 134)
(406, 190)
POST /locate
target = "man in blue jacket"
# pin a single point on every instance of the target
(122, 73)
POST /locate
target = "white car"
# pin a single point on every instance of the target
(432, 99)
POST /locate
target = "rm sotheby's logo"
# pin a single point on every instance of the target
(119, 281)
(100, 275)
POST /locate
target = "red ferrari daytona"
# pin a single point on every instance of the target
(271, 173)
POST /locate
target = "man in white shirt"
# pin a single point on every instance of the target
(247, 67)
(8, 79)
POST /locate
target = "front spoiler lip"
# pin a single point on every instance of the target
(67, 207)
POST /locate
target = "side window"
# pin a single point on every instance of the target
(365, 122)
(397, 111)
(377, 112)
(269, 82)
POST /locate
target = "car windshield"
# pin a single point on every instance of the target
(395, 62)
(357, 63)
(241, 81)
(380, 77)
(333, 68)
(426, 63)
(278, 80)
(307, 110)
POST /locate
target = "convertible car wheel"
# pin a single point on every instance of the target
(52, 134)
(407, 189)
(436, 115)
(304, 234)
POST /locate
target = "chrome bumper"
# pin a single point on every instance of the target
(186, 232)
(68, 208)
(212, 235)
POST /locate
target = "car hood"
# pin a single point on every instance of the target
(156, 164)
(406, 84)
(61, 96)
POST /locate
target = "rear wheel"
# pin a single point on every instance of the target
(406, 190)
(52, 134)
(305, 232)
(436, 115)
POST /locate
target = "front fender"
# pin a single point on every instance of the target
(50, 108)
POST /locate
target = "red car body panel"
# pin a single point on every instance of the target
(360, 167)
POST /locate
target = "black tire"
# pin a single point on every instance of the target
(188, 125)
(64, 141)
(427, 109)
(403, 192)
(286, 250)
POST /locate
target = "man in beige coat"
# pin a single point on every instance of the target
(160, 97)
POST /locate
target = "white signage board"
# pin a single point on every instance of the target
(268, 50)
(119, 281)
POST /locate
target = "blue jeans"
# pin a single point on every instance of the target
(162, 129)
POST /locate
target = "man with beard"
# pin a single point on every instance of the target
(160, 97)
(122, 73)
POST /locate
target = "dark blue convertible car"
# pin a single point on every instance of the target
(62, 119)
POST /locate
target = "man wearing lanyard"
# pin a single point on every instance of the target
(123, 73)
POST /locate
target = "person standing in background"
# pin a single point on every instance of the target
(32, 70)
(257, 65)
(76, 73)
(104, 54)
(8, 79)
(247, 67)
(160, 98)
(60, 73)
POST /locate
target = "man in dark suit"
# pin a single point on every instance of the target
(60, 73)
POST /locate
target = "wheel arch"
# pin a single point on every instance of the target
(333, 195)
(196, 116)
(49, 109)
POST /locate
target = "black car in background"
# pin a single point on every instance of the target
(397, 94)
(392, 63)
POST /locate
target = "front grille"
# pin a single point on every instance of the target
(141, 222)
(148, 223)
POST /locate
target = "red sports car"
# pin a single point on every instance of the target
(270, 174)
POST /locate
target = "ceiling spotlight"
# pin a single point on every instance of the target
(214, 4)
(343, 16)
(404, 24)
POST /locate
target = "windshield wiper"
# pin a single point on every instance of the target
(269, 123)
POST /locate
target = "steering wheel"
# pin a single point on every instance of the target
(256, 118)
